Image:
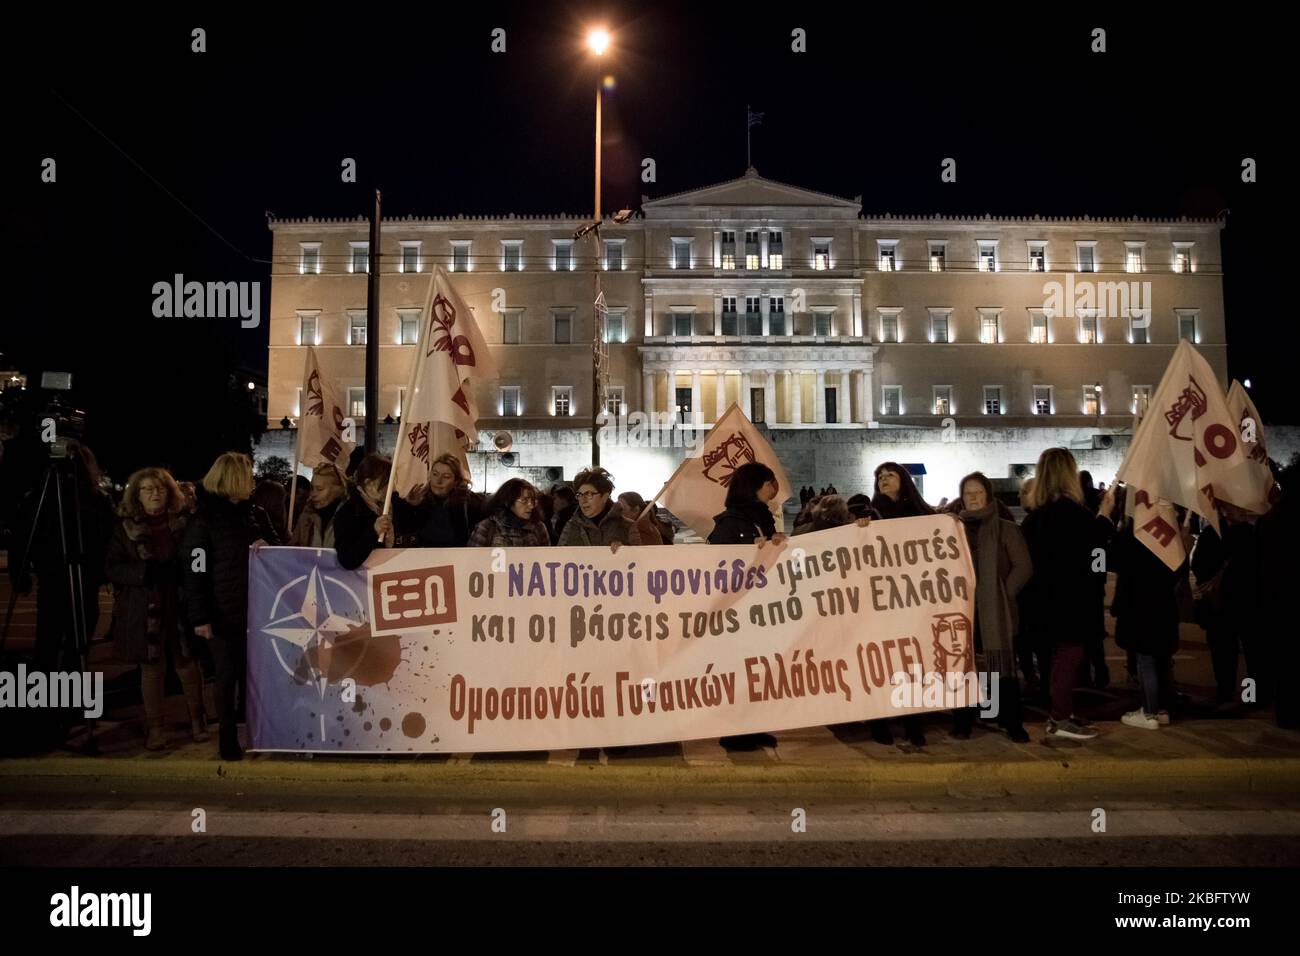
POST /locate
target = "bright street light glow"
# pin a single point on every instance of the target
(598, 41)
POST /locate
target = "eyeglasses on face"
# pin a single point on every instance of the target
(588, 495)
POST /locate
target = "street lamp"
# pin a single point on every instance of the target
(598, 42)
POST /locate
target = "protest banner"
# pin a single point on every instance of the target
(489, 649)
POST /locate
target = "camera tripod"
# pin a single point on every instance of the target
(74, 639)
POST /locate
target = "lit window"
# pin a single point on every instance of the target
(751, 249)
(889, 326)
(615, 324)
(683, 324)
(360, 256)
(356, 328)
(357, 402)
(309, 329)
(992, 399)
(460, 256)
(775, 250)
(1038, 327)
(411, 256)
(989, 328)
(562, 401)
(938, 256)
(1141, 399)
(891, 400)
(681, 254)
(509, 401)
(943, 399)
(728, 249)
(1187, 326)
(614, 255)
(1133, 257)
(614, 400)
(309, 264)
(1091, 400)
(888, 256)
(821, 254)
(1138, 324)
(563, 255)
(1088, 328)
(938, 326)
(410, 327)
(1183, 257)
(988, 257)
(823, 323)
(512, 255)
(1037, 257)
(1042, 399)
(1087, 256)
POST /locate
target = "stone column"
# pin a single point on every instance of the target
(720, 399)
(717, 313)
(746, 405)
(697, 413)
(763, 303)
(819, 398)
(649, 315)
(796, 397)
(648, 391)
(844, 401)
(867, 412)
(717, 249)
(762, 250)
(859, 329)
(769, 397)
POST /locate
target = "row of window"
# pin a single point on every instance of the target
(408, 327)
(755, 255)
(561, 404)
(750, 323)
(1043, 401)
(412, 256)
(1086, 326)
(509, 401)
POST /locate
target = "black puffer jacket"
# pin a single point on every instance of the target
(1063, 600)
(741, 524)
(219, 595)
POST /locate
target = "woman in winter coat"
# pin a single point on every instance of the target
(1064, 601)
(748, 516)
(896, 497)
(216, 588)
(598, 520)
(1002, 568)
(359, 525)
(148, 627)
(1145, 608)
(442, 513)
(315, 528)
(651, 529)
(513, 520)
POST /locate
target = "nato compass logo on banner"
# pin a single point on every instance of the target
(318, 629)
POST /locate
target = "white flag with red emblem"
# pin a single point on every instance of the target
(1186, 451)
(321, 425)
(1250, 427)
(698, 488)
(440, 414)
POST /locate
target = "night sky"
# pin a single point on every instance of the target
(1156, 126)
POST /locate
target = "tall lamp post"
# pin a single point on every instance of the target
(598, 42)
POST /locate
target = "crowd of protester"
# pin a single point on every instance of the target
(1039, 599)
